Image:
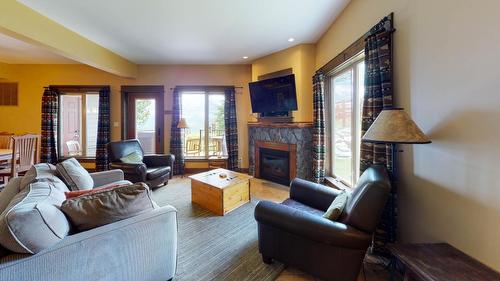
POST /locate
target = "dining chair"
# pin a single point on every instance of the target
(74, 148)
(24, 155)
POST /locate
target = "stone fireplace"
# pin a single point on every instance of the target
(280, 152)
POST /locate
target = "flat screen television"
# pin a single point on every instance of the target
(275, 96)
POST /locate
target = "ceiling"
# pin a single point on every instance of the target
(18, 52)
(192, 31)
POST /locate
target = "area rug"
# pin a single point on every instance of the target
(214, 247)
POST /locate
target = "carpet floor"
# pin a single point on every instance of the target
(214, 247)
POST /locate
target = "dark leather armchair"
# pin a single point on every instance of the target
(295, 232)
(155, 170)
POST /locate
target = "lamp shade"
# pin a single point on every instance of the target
(394, 126)
(182, 124)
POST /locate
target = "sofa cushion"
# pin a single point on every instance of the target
(299, 206)
(337, 206)
(107, 206)
(154, 173)
(37, 172)
(120, 182)
(33, 221)
(8, 192)
(74, 175)
(132, 158)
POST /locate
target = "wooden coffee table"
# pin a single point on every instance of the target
(220, 195)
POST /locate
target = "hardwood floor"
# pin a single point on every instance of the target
(266, 190)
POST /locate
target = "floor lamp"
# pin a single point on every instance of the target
(394, 126)
(182, 125)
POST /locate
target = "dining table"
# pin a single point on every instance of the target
(5, 154)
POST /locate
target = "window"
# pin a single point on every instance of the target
(78, 124)
(347, 91)
(204, 114)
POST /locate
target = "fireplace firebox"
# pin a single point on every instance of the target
(274, 165)
(276, 162)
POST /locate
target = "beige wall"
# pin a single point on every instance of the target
(32, 78)
(446, 75)
(301, 59)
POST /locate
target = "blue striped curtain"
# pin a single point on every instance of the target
(103, 131)
(319, 145)
(378, 96)
(50, 110)
(176, 143)
(231, 126)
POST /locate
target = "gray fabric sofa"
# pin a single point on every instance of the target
(143, 247)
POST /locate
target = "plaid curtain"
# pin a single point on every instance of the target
(378, 96)
(50, 110)
(103, 131)
(319, 127)
(231, 126)
(176, 143)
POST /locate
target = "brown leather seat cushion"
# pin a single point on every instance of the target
(153, 173)
(299, 206)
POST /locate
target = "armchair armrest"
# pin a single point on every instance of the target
(312, 194)
(106, 177)
(310, 226)
(159, 160)
(128, 168)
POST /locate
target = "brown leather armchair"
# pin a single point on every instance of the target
(155, 170)
(295, 232)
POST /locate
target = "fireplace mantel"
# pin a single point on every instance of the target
(280, 125)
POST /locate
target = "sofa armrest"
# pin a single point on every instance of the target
(129, 168)
(158, 160)
(312, 194)
(107, 177)
(310, 226)
(146, 245)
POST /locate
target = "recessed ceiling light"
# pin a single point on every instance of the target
(245, 57)
(291, 39)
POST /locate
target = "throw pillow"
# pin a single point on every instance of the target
(74, 175)
(33, 221)
(337, 206)
(132, 158)
(37, 172)
(107, 206)
(76, 193)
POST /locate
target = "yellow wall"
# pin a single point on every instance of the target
(301, 59)
(446, 76)
(3, 70)
(32, 78)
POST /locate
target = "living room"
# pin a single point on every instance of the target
(200, 65)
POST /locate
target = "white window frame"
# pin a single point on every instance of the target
(351, 64)
(206, 137)
(83, 126)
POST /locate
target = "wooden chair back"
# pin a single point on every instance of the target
(73, 148)
(193, 146)
(24, 153)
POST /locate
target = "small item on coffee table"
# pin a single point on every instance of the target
(222, 175)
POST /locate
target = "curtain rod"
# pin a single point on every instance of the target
(206, 87)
